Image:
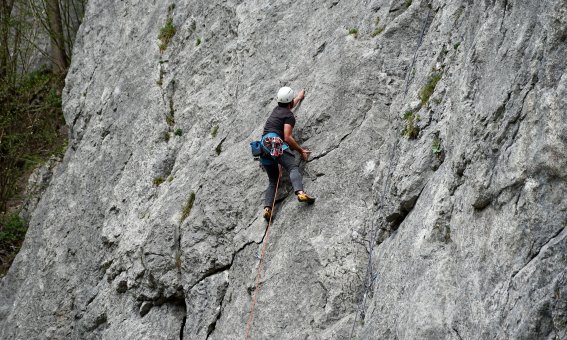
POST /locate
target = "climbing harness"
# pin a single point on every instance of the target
(261, 264)
(267, 148)
(370, 276)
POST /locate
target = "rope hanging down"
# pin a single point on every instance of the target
(261, 264)
(370, 277)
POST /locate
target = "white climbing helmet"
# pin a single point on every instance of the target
(285, 95)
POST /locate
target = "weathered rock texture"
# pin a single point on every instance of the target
(470, 216)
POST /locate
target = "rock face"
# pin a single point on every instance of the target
(151, 228)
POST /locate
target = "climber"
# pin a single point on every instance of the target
(281, 123)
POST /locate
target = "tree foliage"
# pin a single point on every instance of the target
(36, 42)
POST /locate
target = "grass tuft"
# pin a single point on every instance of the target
(429, 88)
(166, 33)
(377, 31)
(169, 119)
(214, 131)
(436, 146)
(411, 130)
(188, 206)
(354, 32)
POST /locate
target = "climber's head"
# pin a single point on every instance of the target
(285, 97)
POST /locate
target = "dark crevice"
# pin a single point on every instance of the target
(324, 153)
(211, 272)
(226, 267)
(320, 50)
(213, 325)
(334, 3)
(183, 326)
(405, 207)
(534, 256)
(326, 293)
(457, 333)
(76, 138)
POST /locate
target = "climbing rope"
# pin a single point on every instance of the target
(261, 264)
(370, 277)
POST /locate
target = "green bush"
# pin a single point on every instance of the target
(12, 233)
(169, 119)
(354, 32)
(179, 132)
(436, 147)
(411, 130)
(429, 88)
(12, 228)
(31, 129)
(377, 31)
(198, 42)
(166, 33)
(158, 180)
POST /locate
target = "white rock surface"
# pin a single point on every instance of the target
(470, 241)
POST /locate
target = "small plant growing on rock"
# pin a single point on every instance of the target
(158, 180)
(169, 119)
(166, 136)
(411, 130)
(377, 31)
(188, 206)
(198, 42)
(170, 178)
(407, 3)
(436, 147)
(214, 131)
(166, 33)
(429, 88)
(178, 132)
(354, 32)
(456, 46)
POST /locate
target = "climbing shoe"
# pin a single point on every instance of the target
(267, 213)
(305, 198)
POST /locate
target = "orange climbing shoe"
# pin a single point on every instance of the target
(305, 198)
(267, 213)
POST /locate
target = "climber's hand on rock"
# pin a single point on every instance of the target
(305, 154)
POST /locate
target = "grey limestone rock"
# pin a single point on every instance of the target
(144, 233)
